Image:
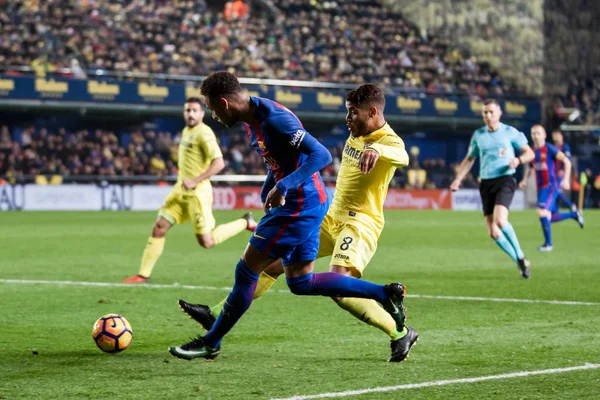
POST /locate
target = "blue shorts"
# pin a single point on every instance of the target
(547, 198)
(290, 235)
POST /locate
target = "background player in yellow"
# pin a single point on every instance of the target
(191, 198)
(353, 224)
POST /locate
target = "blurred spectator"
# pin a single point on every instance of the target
(582, 94)
(237, 9)
(157, 165)
(76, 70)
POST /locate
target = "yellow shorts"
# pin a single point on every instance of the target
(351, 242)
(178, 208)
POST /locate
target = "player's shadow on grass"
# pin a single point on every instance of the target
(97, 356)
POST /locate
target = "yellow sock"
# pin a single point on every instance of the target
(223, 232)
(152, 252)
(265, 281)
(369, 312)
(216, 310)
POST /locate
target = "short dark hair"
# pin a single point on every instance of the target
(194, 100)
(220, 84)
(557, 131)
(366, 95)
(487, 102)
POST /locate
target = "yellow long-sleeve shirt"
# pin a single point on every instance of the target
(356, 192)
(198, 148)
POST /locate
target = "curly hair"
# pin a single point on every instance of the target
(367, 95)
(219, 84)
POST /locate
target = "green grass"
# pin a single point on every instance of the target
(287, 345)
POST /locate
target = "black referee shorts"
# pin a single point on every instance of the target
(497, 191)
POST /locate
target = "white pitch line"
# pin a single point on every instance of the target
(505, 300)
(442, 383)
(111, 284)
(227, 289)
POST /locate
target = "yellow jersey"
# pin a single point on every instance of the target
(198, 148)
(358, 193)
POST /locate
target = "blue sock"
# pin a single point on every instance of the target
(565, 199)
(547, 231)
(235, 306)
(332, 284)
(557, 217)
(505, 245)
(510, 234)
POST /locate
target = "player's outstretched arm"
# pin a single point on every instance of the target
(566, 180)
(527, 156)
(463, 169)
(466, 164)
(526, 175)
(214, 168)
(392, 151)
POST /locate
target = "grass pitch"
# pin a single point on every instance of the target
(287, 345)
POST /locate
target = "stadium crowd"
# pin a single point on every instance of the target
(40, 151)
(584, 95)
(363, 41)
(507, 34)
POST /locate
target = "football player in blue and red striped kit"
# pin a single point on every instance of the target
(548, 185)
(559, 142)
(295, 202)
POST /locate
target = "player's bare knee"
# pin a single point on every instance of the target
(542, 213)
(275, 269)
(340, 270)
(160, 229)
(299, 269)
(500, 221)
(157, 232)
(205, 241)
(494, 231)
(337, 299)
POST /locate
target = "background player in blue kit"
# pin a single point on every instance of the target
(295, 202)
(559, 143)
(544, 165)
(495, 145)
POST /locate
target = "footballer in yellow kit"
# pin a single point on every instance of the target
(197, 149)
(351, 228)
(199, 158)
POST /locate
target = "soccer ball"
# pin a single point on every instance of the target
(112, 333)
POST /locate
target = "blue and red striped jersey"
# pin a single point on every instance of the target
(277, 135)
(545, 166)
